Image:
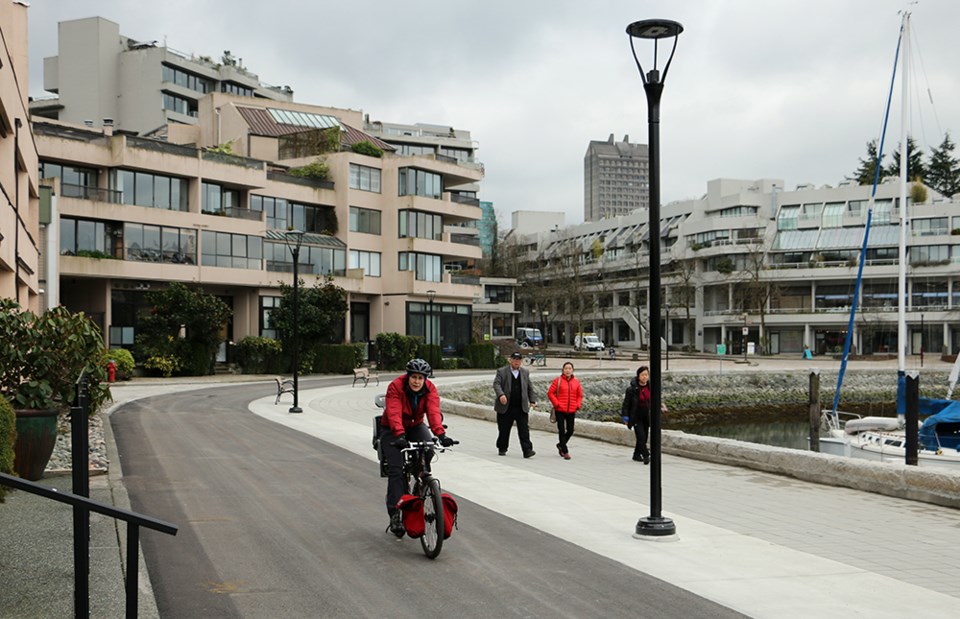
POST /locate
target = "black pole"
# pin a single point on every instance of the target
(912, 427)
(16, 208)
(433, 360)
(296, 330)
(666, 331)
(921, 340)
(654, 524)
(80, 469)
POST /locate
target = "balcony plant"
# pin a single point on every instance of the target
(39, 369)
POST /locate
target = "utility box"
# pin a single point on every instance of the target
(751, 348)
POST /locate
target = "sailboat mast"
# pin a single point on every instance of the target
(904, 155)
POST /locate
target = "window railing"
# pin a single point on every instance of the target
(465, 239)
(459, 199)
(96, 194)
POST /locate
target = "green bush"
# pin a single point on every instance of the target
(164, 365)
(8, 436)
(395, 350)
(124, 360)
(481, 355)
(258, 355)
(338, 358)
(317, 170)
(430, 353)
(366, 147)
(455, 363)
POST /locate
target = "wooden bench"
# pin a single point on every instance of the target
(283, 386)
(365, 375)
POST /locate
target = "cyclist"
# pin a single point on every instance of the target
(409, 398)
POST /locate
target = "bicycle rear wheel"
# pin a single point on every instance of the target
(432, 540)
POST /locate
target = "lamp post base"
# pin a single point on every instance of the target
(297, 409)
(651, 526)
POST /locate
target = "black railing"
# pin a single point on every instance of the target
(465, 239)
(459, 199)
(97, 194)
(82, 506)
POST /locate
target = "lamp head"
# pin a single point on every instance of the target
(654, 29)
(293, 238)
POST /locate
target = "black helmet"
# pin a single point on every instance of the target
(419, 366)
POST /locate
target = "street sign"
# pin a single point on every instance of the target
(746, 330)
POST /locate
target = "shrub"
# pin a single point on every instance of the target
(317, 170)
(366, 147)
(124, 360)
(395, 350)
(455, 363)
(481, 355)
(338, 358)
(8, 436)
(258, 355)
(165, 365)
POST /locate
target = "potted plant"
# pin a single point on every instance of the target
(39, 368)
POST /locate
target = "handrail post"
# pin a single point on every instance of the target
(80, 450)
(133, 567)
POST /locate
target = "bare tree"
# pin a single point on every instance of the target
(683, 293)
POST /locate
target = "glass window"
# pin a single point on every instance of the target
(787, 219)
(364, 178)
(151, 190)
(414, 182)
(367, 260)
(833, 214)
(426, 266)
(364, 220)
(929, 227)
(420, 225)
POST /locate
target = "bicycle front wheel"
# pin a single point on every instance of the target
(432, 540)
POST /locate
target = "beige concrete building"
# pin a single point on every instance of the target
(133, 213)
(20, 205)
(100, 75)
(615, 178)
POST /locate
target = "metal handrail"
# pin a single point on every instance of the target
(134, 521)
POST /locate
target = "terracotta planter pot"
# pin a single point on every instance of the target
(36, 437)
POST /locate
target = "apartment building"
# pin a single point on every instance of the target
(138, 86)
(20, 247)
(753, 263)
(615, 178)
(208, 202)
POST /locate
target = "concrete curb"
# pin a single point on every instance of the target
(939, 487)
(146, 600)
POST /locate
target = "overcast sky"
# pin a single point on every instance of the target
(789, 89)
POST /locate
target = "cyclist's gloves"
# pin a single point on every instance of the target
(401, 442)
(446, 441)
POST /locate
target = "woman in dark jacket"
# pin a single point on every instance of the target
(635, 412)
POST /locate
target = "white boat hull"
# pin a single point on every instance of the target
(883, 447)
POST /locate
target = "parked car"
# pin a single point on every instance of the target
(587, 341)
(529, 337)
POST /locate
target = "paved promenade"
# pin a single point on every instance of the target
(765, 545)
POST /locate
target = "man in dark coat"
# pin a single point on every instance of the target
(515, 396)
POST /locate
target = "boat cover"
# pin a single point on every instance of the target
(942, 431)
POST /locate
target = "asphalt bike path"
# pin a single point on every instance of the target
(276, 523)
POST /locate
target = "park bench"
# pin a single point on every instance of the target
(364, 374)
(283, 386)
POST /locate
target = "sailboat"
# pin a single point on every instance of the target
(884, 438)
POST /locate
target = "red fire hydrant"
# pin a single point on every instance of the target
(111, 371)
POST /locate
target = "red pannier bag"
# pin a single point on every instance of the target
(411, 508)
(449, 515)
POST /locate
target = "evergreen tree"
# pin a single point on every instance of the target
(867, 167)
(916, 168)
(944, 172)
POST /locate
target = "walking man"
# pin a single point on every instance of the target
(515, 396)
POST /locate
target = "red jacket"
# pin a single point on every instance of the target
(565, 394)
(400, 417)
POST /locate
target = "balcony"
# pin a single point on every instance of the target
(236, 212)
(237, 160)
(95, 194)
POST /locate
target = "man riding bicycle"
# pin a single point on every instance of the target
(409, 398)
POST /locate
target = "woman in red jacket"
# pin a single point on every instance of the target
(566, 395)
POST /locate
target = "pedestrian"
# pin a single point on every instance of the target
(635, 412)
(566, 395)
(515, 396)
(411, 413)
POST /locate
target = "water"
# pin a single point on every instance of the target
(792, 434)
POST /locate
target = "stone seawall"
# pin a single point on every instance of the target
(940, 487)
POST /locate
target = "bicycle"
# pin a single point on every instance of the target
(536, 359)
(420, 482)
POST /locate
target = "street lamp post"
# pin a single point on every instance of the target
(743, 337)
(544, 334)
(666, 332)
(294, 239)
(654, 524)
(921, 339)
(431, 294)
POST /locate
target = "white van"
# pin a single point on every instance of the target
(587, 341)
